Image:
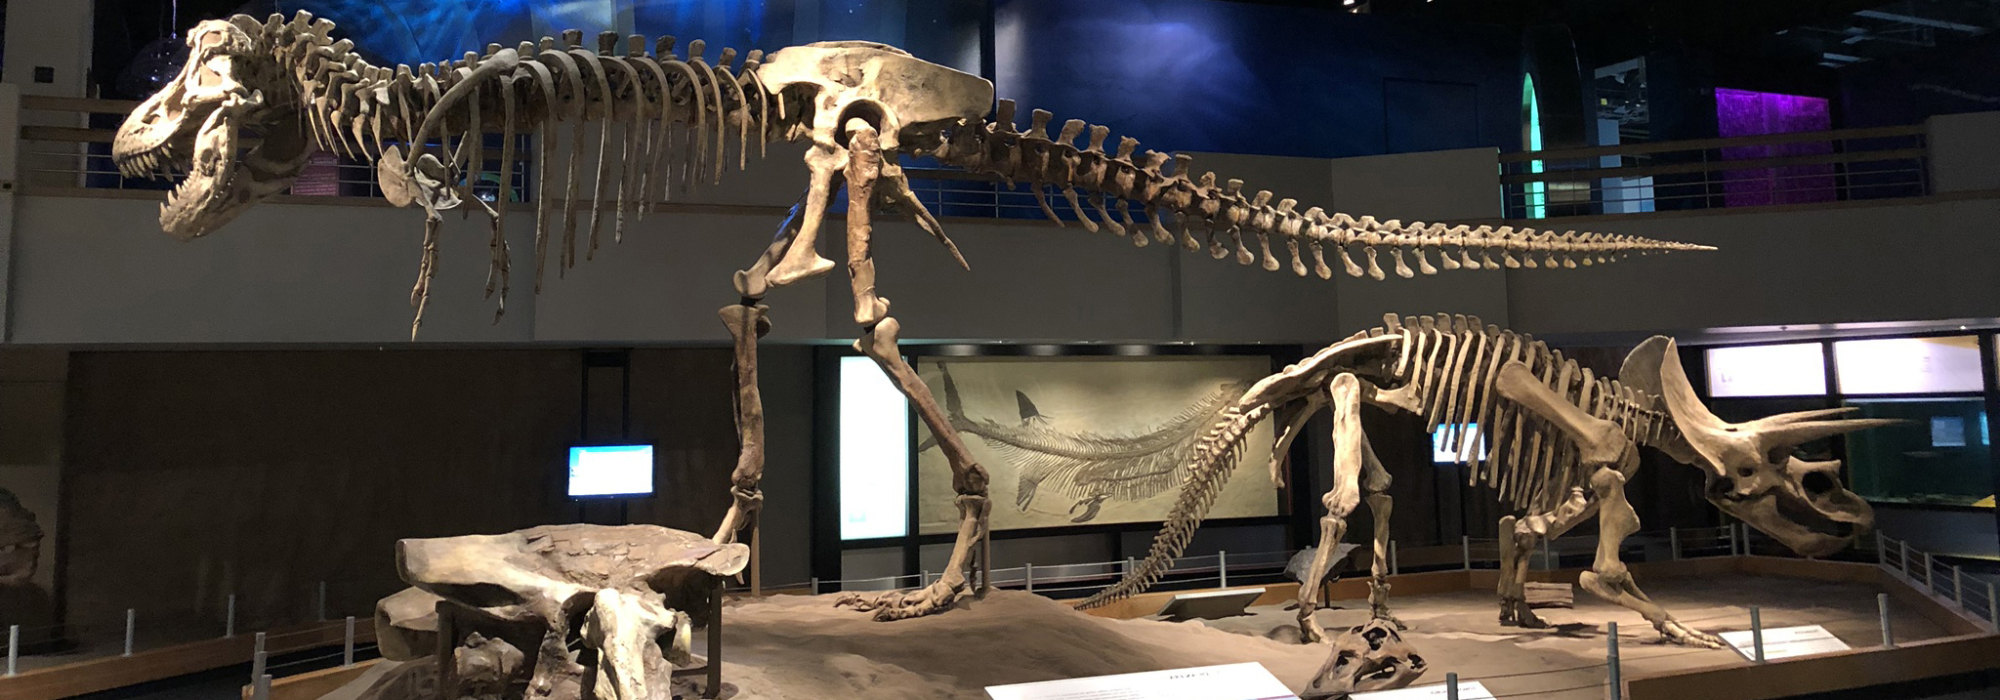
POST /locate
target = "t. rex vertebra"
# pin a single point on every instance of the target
(1557, 441)
(859, 105)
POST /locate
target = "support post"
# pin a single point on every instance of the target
(257, 659)
(1548, 554)
(229, 618)
(923, 578)
(347, 647)
(1130, 565)
(1992, 606)
(1612, 681)
(1222, 567)
(815, 585)
(1451, 686)
(1674, 542)
(1733, 551)
(1903, 556)
(131, 628)
(261, 689)
(1028, 577)
(1930, 586)
(13, 649)
(1957, 586)
(1394, 566)
(1882, 605)
(1465, 551)
(1881, 550)
(714, 689)
(1757, 633)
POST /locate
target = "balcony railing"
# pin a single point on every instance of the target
(1759, 171)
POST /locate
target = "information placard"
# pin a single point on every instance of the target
(1467, 690)
(1245, 681)
(1784, 642)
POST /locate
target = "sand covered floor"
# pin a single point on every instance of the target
(798, 647)
(803, 648)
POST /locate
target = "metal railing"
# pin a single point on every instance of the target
(1776, 170)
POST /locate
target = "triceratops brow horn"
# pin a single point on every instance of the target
(1772, 437)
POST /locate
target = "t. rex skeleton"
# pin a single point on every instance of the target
(859, 105)
(1558, 443)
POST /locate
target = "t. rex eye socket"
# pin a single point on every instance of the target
(1817, 483)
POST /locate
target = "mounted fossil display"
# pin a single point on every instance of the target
(667, 119)
(1550, 439)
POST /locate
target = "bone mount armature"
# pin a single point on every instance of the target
(674, 118)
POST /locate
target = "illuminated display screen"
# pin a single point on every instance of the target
(611, 470)
(874, 453)
(1767, 370)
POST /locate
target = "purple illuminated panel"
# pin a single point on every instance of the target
(1750, 113)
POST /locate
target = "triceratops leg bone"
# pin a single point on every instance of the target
(1608, 578)
(802, 260)
(878, 341)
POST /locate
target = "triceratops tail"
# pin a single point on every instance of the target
(1215, 458)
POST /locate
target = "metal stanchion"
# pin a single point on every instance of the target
(257, 659)
(1757, 633)
(1548, 554)
(1395, 566)
(1733, 551)
(131, 628)
(1903, 556)
(1674, 542)
(923, 578)
(13, 649)
(1028, 576)
(347, 649)
(1930, 573)
(1992, 606)
(1451, 686)
(815, 585)
(1465, 550)
(1882, 604)
(1222, 568)
(229, 620)
(1958, 585)
(1881, 550)
(1130, 564)
(1612, 681)
(261, 690)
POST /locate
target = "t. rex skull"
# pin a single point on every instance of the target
(230, 87)
(1751, 471)
(1366, 658)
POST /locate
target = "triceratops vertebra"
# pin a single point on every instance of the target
(860, 106)
(1558, 443)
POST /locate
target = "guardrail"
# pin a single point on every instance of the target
(1777, 170)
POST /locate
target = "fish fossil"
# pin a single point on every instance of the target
(1091, 467)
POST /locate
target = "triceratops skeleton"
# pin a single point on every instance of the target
(860, 106)
(1558, 443)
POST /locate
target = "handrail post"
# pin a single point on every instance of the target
(1903, 555)
(1992, 607)
(1930, 574)
(258, 657)
(815, 585)
(1882, 607)
(13, 649)
(347, 648)
(1881, 551)
(131, 628)
(1465, 552)
(1451, 686)
(1958, 585)
(1028, 577)
(1395, 566)
(1222, 568)
(261, 689)
(1674, 543)
(1611, 661)
(229, 619)
(1757, 633)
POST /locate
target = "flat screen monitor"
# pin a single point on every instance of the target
(610, 470)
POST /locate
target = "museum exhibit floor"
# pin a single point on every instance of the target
(801, 647)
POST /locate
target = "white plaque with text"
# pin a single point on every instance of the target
(1467, 690)
(1783, 642)
(1246, 681)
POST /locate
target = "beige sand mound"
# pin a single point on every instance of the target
(800, 648)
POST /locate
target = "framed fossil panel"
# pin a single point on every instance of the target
(1087, 440)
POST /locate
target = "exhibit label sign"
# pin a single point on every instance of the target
(1784, 642)
(1467, 690)
(1245, 681)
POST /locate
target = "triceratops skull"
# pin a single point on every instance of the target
(230, 87)
(1366, 658)
(1750, 467)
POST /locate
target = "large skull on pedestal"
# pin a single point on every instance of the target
(1366, 658)
(579, 610)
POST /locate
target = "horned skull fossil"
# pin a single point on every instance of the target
(1751, 470)
(228, 94)
(1369, 657)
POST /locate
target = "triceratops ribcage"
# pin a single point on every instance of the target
(1550, 438)
(859, 107)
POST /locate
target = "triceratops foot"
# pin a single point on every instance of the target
(935, 598)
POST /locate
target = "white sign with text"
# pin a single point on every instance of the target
(1783, 642)
(1467, 690)
(1246, 681)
